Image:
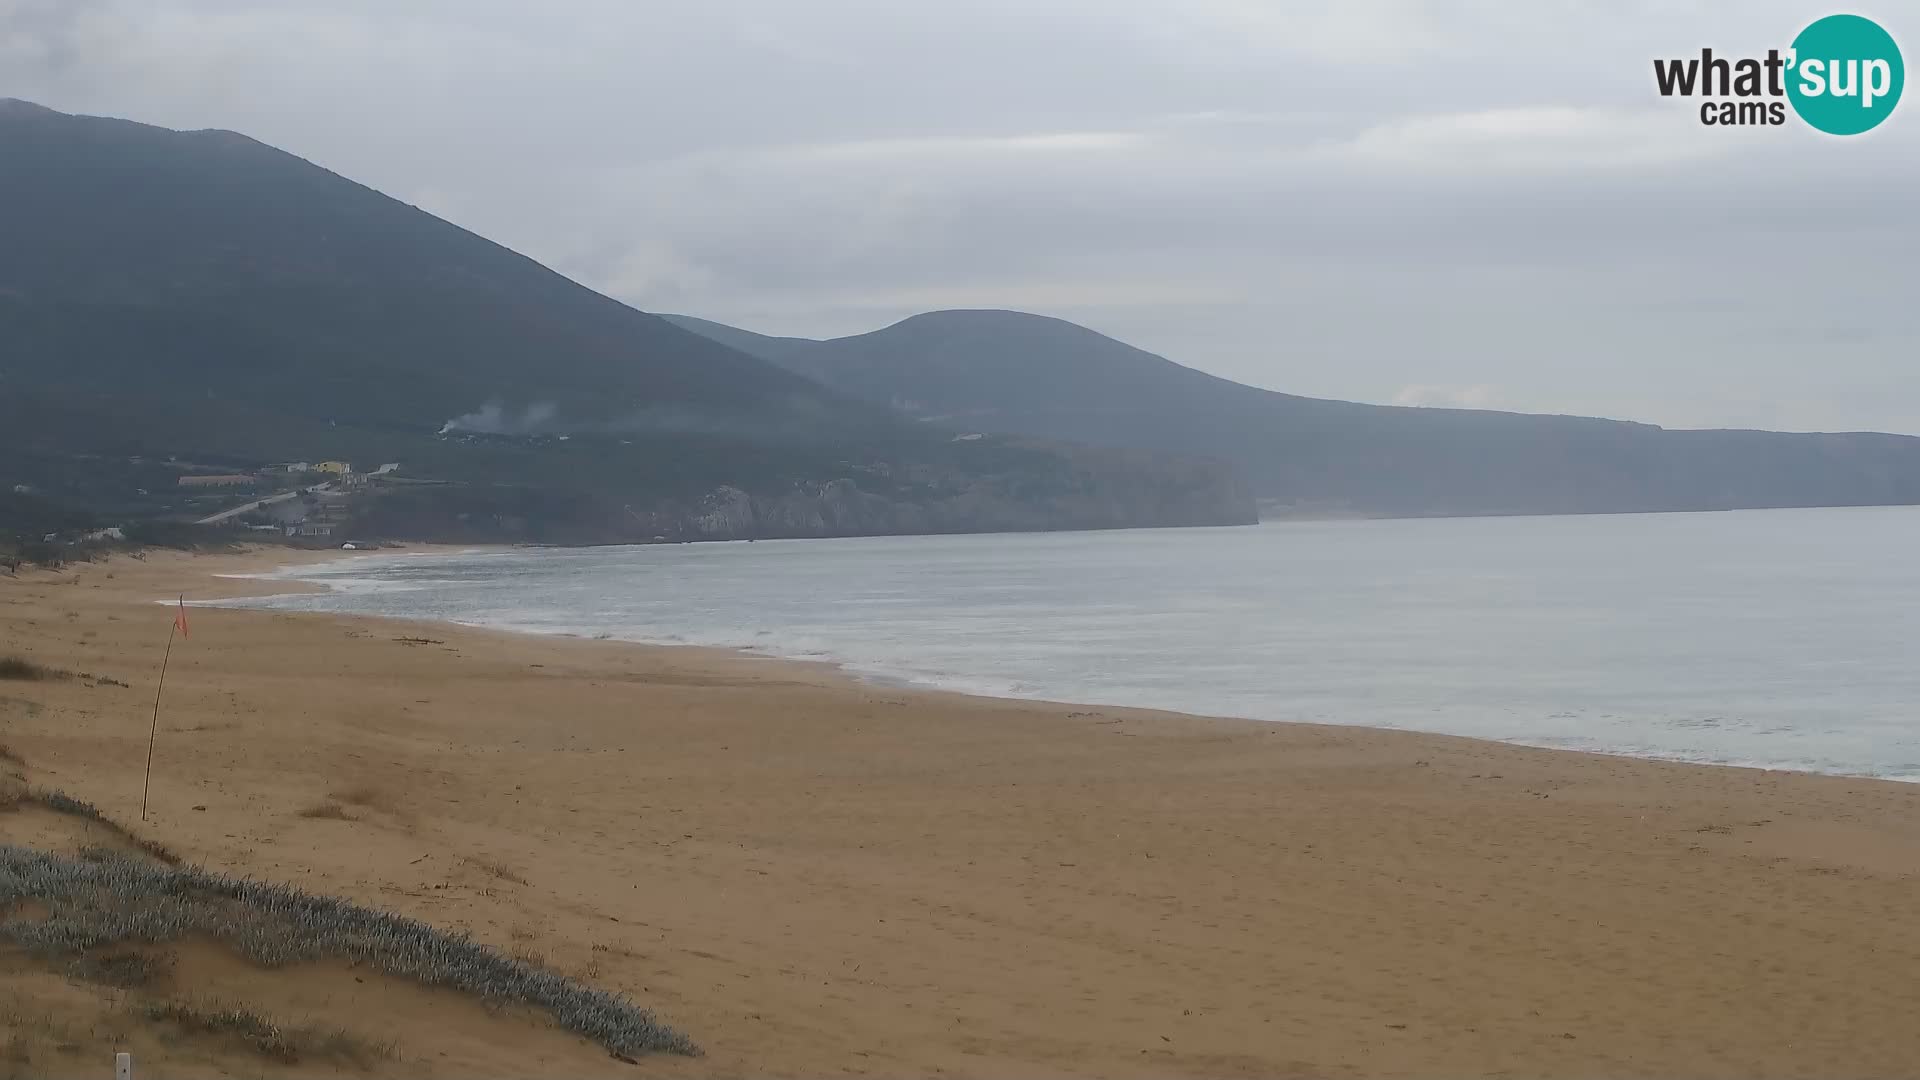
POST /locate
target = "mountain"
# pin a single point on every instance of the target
(195, 237)
(203, 296)
(1004, 371)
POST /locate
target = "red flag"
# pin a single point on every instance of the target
(180, 620)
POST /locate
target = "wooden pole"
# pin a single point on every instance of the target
(147, 784)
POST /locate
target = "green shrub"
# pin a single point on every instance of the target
(113, 901)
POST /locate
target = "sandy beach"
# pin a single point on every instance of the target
(814, 876)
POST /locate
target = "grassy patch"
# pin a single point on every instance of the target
(328, 811)
(21, 668)
(263, 1036)
(62, 803)
(123, 902)
(496, 868)
(125, 969)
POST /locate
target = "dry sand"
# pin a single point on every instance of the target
(813, 876)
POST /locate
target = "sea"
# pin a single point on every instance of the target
(1785, 639)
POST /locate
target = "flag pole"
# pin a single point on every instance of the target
(146, 785)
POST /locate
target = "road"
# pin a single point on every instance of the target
(248, 508)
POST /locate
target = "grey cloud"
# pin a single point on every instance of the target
(43, 35)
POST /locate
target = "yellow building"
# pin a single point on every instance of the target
(337, 468)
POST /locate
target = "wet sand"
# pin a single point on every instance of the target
(814, 876)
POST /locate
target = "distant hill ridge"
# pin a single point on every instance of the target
(1006, 371)
(202, 294)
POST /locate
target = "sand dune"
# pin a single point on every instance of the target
(813, 876)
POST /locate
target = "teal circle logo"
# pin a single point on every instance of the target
(1845, 75)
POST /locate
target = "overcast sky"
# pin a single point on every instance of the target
(1458, 202)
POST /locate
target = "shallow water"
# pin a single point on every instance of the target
(1783, 638)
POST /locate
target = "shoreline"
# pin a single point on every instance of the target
(810, 874)
(848, 668)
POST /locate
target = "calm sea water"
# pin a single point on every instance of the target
(1786, 638)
